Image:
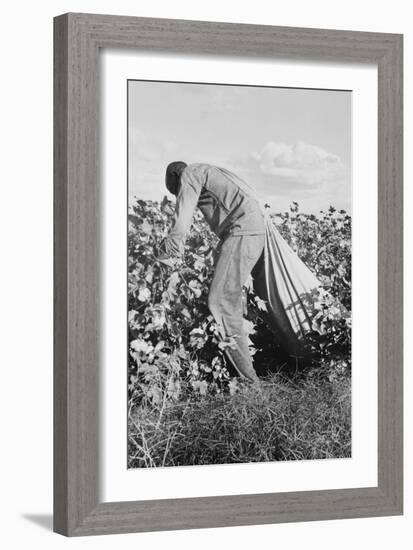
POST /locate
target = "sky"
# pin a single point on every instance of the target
(290, 144)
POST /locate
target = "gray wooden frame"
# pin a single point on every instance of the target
(78, 39)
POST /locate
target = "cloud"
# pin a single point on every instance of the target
(305, 163)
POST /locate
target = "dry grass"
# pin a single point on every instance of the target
(299, 418)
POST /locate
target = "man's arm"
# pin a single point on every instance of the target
(186, 201)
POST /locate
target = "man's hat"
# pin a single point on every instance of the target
(173, 174)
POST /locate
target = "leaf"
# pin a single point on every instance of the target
(185, 313)
(159, 346)
(131, 315)
(149, 277)
(134, 219)
(146, 227)
(173, 282)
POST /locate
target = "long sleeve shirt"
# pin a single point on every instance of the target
(226, 201)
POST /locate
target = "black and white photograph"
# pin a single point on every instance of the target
(239, 274)
(203, 319)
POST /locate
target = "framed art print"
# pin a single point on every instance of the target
(227, 274)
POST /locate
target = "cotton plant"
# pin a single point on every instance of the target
(174, 340)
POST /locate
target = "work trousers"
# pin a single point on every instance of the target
(237, 256)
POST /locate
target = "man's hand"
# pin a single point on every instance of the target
(165, 256)
(171, 247)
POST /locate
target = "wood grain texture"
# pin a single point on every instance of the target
(390, 273)
(60, 485)
(78, 38)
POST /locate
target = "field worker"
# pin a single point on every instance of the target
(234, 215)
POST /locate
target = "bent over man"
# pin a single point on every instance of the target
(234, 215)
